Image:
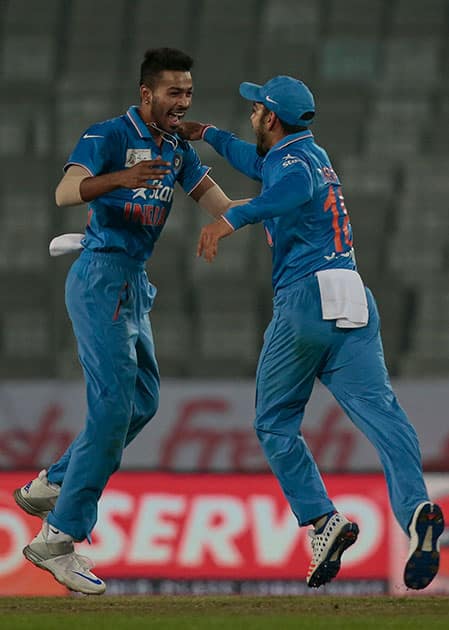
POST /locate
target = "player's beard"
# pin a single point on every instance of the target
(159, 114)
(262, 146)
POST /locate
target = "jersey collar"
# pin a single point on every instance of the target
(138, 124)
(293, 137)
(143, 130)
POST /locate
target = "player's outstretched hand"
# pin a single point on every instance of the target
(139, 175)
(190, 130)
(209, 237)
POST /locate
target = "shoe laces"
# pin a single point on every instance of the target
(76, 562)
(84, 562)
(320, 541)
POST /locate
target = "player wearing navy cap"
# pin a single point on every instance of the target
(126, 169)
(325, 325)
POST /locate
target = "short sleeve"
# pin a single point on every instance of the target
(92, 150)
(192, 171)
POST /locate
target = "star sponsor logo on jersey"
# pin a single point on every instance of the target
(161, 192)
(139, 192)
(134, 156)
(288, 160)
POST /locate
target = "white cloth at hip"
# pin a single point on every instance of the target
(343, 297)
(65, 244)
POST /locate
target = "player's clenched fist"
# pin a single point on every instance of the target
(190, 130)
(138, 175)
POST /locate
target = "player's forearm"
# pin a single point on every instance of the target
(78, 186)
(218, 212)
(215, 202)
(93, 187)
(241, 155)
(255, 212)
(282, 198)
(238, 202)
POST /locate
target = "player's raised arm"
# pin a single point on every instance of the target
(240, 154)
(285, 196)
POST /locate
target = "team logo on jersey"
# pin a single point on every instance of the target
(288, 160)
(177, 162)
(133, 156)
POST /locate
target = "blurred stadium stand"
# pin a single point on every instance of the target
(378, 69)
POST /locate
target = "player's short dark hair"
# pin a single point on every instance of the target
(156, 60)
(288, 129)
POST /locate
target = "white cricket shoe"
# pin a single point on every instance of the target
(327, 548)
(423, 561)
(54, 551)
(38, 497)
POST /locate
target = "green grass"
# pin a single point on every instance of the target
(234, 613)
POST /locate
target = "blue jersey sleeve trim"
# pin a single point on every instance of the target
(203, 133)
(68, 164)
(228, 222)
(200, 180)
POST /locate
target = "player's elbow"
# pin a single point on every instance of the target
(59, 198)
(67, 193)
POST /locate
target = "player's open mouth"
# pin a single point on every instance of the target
(175, 118)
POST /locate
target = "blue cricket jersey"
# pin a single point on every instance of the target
(131, 220)
(301, 204)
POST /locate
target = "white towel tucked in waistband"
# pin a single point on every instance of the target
(343, 297)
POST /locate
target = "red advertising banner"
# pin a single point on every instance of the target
(179, 526)
(17, 576)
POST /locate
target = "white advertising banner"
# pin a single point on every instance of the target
(207, 426)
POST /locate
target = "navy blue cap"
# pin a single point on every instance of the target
(287, 97)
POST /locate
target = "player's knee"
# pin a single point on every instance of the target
(274, 443)
(269, 443)
(263, 435)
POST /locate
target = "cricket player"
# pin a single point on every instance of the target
(125, 169)
(325, 325)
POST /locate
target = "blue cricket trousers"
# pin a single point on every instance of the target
(108, 298)
(300, 346)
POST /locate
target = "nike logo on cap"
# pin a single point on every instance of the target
(88, 135)
(270, 100)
